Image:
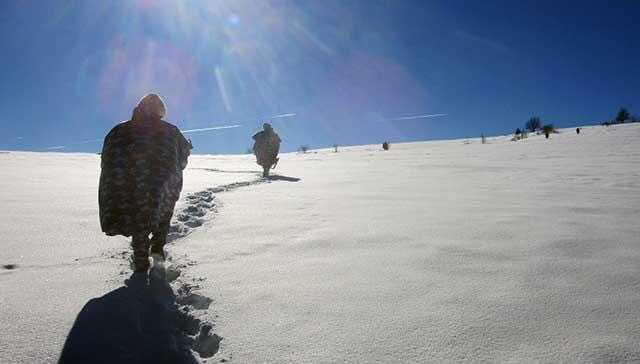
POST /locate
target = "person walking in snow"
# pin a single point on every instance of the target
(141, 179)
(266, 148)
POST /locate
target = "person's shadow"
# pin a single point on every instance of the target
(276, 177)
(137, 323)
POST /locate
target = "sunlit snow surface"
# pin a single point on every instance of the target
(435, 251)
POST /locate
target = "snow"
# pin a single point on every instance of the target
(432, 251)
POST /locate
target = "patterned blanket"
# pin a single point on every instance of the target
(141, 178)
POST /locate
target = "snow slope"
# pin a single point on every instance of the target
(437, 251)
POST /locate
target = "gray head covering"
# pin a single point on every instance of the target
(150, 106)
(266, 126)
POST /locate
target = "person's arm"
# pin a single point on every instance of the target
(184, 149)
(107, 145)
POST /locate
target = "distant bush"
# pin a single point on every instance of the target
(533, 124)
(303, 148)
(623, 115)
(548, 129)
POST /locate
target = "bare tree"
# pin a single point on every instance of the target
(533, 124)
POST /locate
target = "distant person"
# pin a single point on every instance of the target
(385, 145)
(546, 134)
(577, 130)
(266, 148)
(141, 179)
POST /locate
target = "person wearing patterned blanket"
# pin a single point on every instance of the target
(266, 148)
(141, 179)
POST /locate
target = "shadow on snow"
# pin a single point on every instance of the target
(144, 321)
(140, 322)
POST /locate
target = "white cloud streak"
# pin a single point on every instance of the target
(78, 143)
(89, 141)
(210, 128)
(189, 131)
(288, 115)
(423, 116)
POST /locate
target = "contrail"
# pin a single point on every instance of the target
(90, 141)
(424, 116)
(288, 115)
(211, 128)
(78, 143)
(278, 116)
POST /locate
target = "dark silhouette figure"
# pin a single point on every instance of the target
(385, 145)
(577, 130)
(137, 323)
(141, 179)
(266, 148)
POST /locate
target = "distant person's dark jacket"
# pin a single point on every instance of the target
(141, 178)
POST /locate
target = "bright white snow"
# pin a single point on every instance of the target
(435, 251)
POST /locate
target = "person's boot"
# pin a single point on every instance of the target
(140, 245)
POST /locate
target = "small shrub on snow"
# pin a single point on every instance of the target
(623, 115)
(533, 124)
(548, 129)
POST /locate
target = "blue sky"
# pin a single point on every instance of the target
(70, 71)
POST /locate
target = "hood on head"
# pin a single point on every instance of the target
(150, 106)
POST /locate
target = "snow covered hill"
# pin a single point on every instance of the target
(435, 251)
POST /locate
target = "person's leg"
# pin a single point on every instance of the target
(159, 239)
(265, 171)
(140, 245)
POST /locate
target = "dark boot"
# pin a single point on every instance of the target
(140, 245)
